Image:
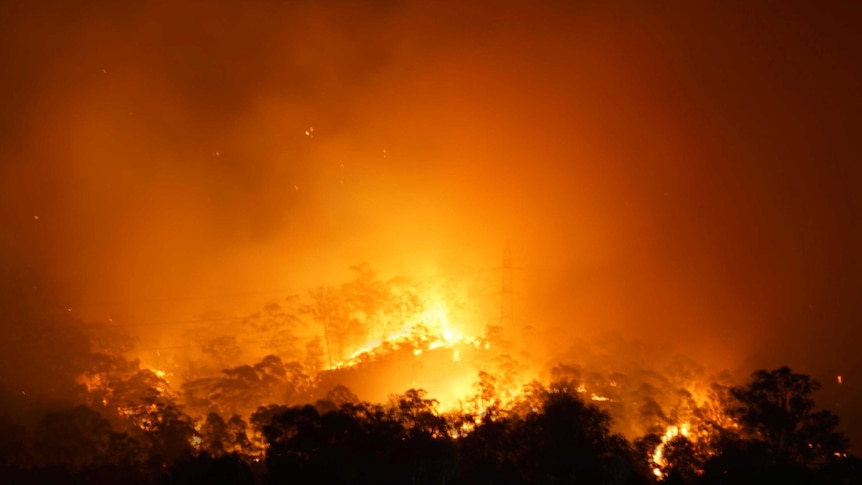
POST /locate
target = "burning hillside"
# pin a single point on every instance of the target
(404, 372)
(375, 337)
(184, 186)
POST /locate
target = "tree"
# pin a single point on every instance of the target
(417, 414)
(555, 438)
(314, 354)
(277, 325)
(684, 462)
(240, 389)
(425, 452)
(223, 351)
(327, 310)
(75, 438)
(486, 401)
(167, 430)
(107, 378)
(338, 396)
(777, 409)
(362, 310)
(214, 436)
(570, 441)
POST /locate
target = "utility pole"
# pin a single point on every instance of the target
(507, 314)
(495, 333)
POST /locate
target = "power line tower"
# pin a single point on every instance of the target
(507, 314)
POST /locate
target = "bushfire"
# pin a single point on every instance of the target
(375, 360)
(411, 340)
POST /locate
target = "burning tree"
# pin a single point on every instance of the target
(240, 390)
(363, 313)
(498, 425)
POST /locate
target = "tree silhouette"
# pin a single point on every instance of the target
(277, 325)
(359, 442)
(559, 439)
(571, 442)
(167, 430)
(241, 389)
(222, 351)
(684, 461)
(777, 409)
(75, 438)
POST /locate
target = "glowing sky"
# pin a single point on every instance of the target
(680, 174)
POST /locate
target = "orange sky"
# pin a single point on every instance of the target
(680, 174)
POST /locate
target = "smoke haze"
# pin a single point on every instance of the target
(682, 175)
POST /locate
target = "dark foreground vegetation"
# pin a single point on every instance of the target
(75, 409)
(765, 432)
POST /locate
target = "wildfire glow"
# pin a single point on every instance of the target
(418, 339)
(658, 458)
(429, 330)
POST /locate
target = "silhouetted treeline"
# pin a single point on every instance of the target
(772, 434)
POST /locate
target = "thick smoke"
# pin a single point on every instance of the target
(680, 177)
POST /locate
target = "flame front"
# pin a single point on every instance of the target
(428, 330)
(658, 458)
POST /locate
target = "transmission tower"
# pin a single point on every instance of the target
(507, 315)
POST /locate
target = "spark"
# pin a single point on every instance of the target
(310, 132)
(840, 381)
(36, 218)
(217, 154)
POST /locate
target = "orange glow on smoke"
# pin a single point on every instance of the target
(654, 185)
(430, 330)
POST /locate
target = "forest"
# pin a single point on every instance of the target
(259, 242)
(771, 433)
(76, 408)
